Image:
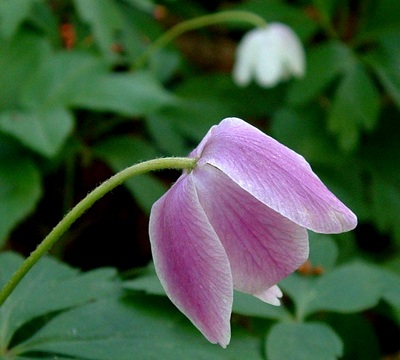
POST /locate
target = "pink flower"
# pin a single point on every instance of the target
(238, 220)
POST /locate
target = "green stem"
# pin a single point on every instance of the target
(197, 23)
(83, 205)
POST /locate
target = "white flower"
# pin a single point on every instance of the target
(270, 54)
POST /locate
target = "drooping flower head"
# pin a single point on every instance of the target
(238, 220)
(269, 54)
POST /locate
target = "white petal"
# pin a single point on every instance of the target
(271, 296)
(269, 66)
(246, 57)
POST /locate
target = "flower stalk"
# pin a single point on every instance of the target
(197, 23)
(83, 205)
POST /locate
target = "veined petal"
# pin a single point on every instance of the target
(271, 296)
(191, 262)
(275, 175)
(263, 247)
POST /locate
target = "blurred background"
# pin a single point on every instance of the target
(75, 108)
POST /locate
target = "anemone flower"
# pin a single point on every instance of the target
(238, 220)
(269, 54)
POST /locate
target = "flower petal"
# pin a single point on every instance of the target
(191, 262)
(263, 247)
(293, 55)
(246, 55)
(271, 296)
(269, 63)
(275, 175)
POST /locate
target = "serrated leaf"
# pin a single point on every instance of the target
(303, 341)
(49, 286)
(20, 190)
(123, 151)
(42, 130)
(355, 107)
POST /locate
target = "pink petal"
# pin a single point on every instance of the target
(191, 262)
(271, 296)
(275, 175)
(263, 247)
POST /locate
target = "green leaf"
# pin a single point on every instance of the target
(358, 334)
(243, 304)
(19, 58)
(44, 131)
(386, 204)
(141, 327)
(355, 107)
(324, 64)
(105, 19)
(12, 14)
(248, 305)
(302, 131)
(349, 288)
(131, 94)
(49, 286)
(379, 155)
(381, 18)
(123, 151)
(59, 77)
(147, 282)
(166, 135)
(323, 250)
(385, 61)
(303, 341)
(20, 189)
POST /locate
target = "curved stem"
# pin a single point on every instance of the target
(197, 23)
(83, 205)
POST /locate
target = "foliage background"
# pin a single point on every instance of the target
(75, 108)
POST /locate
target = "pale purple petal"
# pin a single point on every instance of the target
(191, 262)
(263, 247)
(271, 295)
(275, 175)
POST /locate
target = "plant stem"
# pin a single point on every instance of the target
(197, 23)
(83, 205)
